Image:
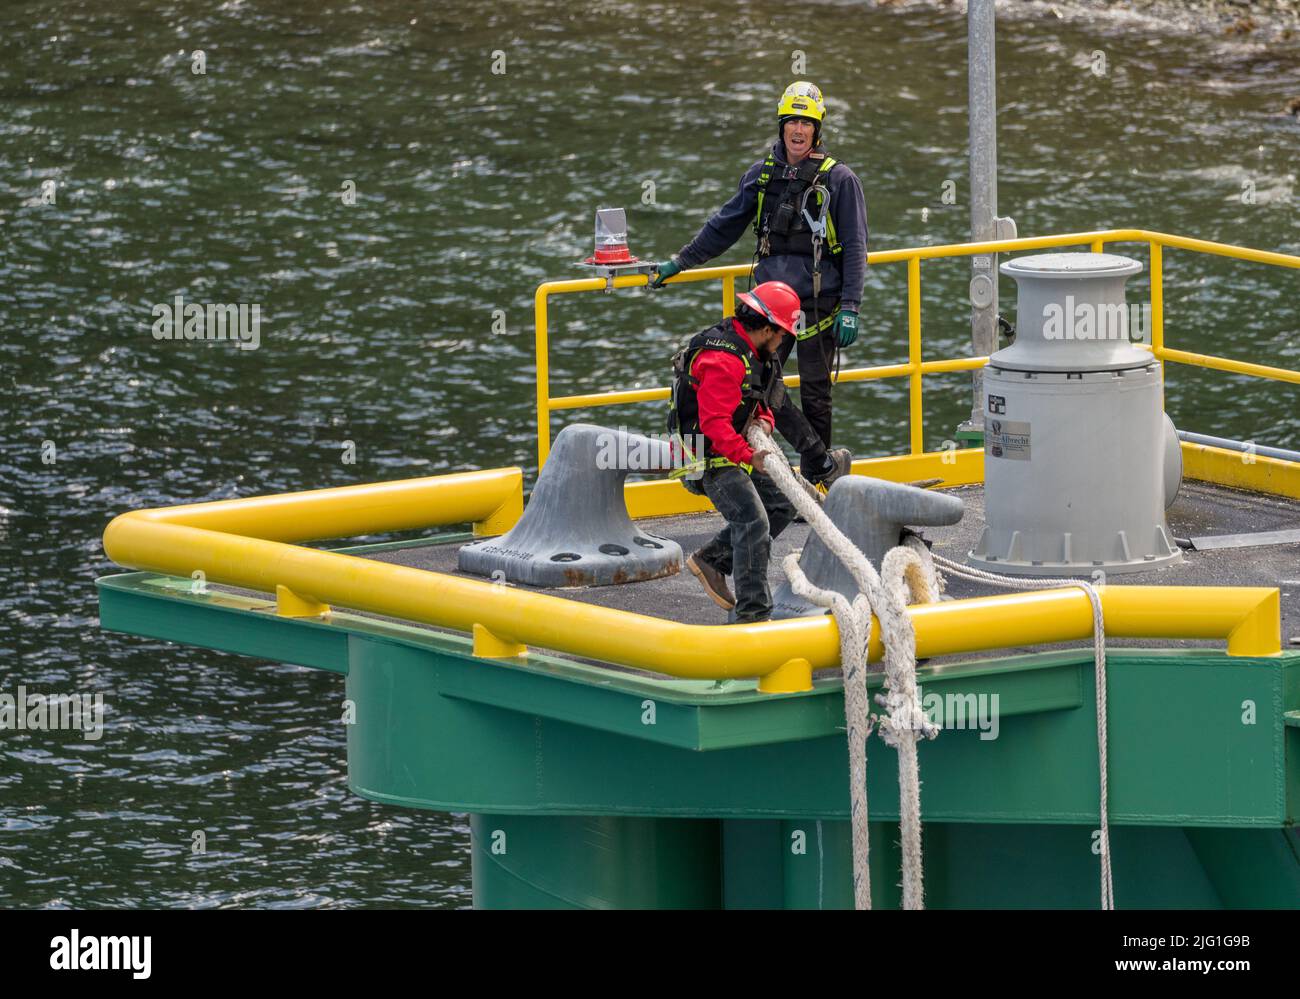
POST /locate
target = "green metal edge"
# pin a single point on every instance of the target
(152, 606)
(689, 713)
(703, 716)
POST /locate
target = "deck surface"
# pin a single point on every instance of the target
(1201, 509)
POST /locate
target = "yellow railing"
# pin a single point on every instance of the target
(254, 543)
(915, 368)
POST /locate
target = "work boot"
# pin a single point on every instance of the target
(840, 463)
(714, 582)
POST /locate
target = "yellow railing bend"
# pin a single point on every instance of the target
(248, 543)
(915, 368)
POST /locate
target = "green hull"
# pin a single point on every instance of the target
(595, 788)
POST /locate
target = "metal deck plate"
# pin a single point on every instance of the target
(1201, 509)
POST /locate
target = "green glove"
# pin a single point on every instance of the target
(664, 271)
(846, 327)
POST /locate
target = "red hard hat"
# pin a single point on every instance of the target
(777, 302)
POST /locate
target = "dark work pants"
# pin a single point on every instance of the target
(756, 512)
(808, 426)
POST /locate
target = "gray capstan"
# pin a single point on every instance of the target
(1080, 461)
(872, 514)
(575, 530)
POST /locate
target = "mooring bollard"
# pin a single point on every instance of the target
(575, 530)
(872, 513)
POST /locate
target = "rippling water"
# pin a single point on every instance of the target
(473, 187)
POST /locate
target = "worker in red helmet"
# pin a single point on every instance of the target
(725, 378)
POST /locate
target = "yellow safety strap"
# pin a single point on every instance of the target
(823, 324)
(766, 175)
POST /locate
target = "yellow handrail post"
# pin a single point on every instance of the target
(290, 604)
(543, 377)
(491, 646)
(793, 677)
(728, 296)
(914, 352)
(1158, 309)
(1098, 246)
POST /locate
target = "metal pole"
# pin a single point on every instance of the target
(983, 192)
(1247, 447)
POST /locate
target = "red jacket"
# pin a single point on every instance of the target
(721, 376)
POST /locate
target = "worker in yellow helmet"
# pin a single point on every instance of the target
(810, 221)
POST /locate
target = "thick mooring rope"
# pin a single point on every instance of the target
(909, 576)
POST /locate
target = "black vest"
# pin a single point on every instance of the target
(762, 383)
(780, 224)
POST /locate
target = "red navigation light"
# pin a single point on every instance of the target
(611, 238)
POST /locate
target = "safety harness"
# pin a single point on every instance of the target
(789, 226)
(762, 383)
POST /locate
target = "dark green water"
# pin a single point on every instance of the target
(378, 323)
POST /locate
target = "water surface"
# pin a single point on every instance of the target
(472, 188)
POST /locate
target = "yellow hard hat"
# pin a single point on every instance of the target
(802, 99)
